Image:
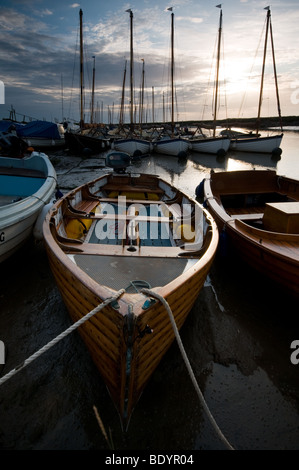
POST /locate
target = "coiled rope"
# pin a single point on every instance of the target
(188, 365)
(61, 336)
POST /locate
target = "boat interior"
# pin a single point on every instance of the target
(18, 183)
(131, 238)
(274, 208)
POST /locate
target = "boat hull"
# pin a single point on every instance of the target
(77, 143)
(117, 339)
(40, 143)
(172, 146)
(133, 146)
(211, 145)
(17, 219)
(259, 145)
(275, 254)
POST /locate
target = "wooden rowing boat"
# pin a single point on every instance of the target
(258, 213)
(121, 231)
(26, 187)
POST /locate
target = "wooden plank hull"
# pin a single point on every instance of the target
(274, 254)
(126, 341)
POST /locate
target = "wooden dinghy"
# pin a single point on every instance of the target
(258, 211)
(120, 232)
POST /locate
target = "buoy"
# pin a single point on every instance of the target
(276, 153)
(221, 153)
(76, 228)
(182, 154)
(87, 152)
(137, 154)
(38, 226)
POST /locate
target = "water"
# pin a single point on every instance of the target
(237, 338)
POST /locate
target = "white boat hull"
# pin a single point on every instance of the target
(259, 144)
(132, 146)
(210, 145)
(42, 143)
(171, 146)
(17, 218)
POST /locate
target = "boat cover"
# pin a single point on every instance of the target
(44, 129)
(6, 124)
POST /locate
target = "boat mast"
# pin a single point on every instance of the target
(217, 70)
(263, 70)
(92, 94)
(141, 97)
(81, 70)
(121, 114)
(131, 71)
(172, 72)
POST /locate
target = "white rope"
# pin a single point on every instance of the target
(61, 336)
(199, 393)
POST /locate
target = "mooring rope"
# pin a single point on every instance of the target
(61, 336)
(188, 365)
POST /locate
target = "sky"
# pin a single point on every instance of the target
(39, 58)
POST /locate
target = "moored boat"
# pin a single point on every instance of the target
(42, 135)
(27, 186)
(118, 234)
(257, 212)
(267, 144)
(175, 146)
(214, 145)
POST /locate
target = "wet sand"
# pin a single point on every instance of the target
(237, 338)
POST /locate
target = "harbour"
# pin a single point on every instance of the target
(237, 337)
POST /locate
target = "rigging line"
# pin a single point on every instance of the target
(250, 73)
(209, 80)
(224, 79)
(74, 67)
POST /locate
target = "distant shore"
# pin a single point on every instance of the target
(249, 123)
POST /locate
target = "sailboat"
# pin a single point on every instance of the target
(89, 138)
(215, 145)
(132, 145)
(267, 144)
(172, 145)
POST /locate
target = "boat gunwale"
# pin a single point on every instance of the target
(253, 234)
(102, 291)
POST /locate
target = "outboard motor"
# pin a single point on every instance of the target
(119, 161)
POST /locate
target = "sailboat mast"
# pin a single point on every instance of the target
(263, 70)
(121, 115)
(92, 94)
(81, 70)
(142, 97)
(217, 71)
(172, 74)
(131, 71)
(275, 76)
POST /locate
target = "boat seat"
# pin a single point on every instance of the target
(248, 216)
